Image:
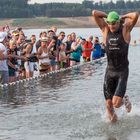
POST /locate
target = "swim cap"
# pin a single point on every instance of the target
(113, 17)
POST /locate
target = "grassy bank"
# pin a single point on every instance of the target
(36, 22)
(44, 22)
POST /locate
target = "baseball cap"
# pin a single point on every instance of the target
(15, 33)
(113, 17)
(2, 36)
(44, 39)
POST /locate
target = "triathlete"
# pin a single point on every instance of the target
(116, 37)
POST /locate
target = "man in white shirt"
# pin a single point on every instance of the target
(4, 73)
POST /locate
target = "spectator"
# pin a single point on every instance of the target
(97, 49)
(12, 62)
(62, 56)
(4, 74)
(88, 48)
(77, 51)
(43, 56)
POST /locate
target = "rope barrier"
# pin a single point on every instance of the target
(53, 72)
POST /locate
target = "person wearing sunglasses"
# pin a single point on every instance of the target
(116, 37)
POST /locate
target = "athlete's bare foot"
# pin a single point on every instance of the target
(113, 118)
(112, 115)
(127, 103)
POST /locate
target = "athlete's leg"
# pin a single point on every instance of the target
(119, 101)
(118, 98)
(127, 103)
(110, 85)
(110, 111)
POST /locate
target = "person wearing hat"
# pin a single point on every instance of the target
(116, 37)
(4, 74)
(15, 35)
(43, 56)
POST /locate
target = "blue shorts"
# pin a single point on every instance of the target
(53, 62)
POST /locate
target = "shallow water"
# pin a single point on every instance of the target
(69, 106)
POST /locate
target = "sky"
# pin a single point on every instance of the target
(75, 1)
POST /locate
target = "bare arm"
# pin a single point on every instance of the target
(131, 19)
(75, 45)
(88, 49)
(2, 57)
(20, 57)
(62, 58)
(11, 65)
(68, 52)
(51, 44)
(99, 18)
(39, 53)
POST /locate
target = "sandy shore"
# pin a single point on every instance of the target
(44, 22)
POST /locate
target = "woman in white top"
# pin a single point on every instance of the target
(43, 56)
(28, 65)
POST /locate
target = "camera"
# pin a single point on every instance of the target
(28, 40)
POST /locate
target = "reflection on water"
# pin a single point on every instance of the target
(69, 106)
(47, 89)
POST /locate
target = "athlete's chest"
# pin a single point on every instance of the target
(115, 43)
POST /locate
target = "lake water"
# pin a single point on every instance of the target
(84, 32)
(70, 105)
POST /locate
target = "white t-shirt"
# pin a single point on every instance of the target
(34, 50)
(3, 63)
(19, 54)
(62, 55)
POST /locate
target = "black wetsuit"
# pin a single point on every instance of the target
(117, 68)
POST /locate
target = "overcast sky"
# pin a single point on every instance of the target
(78, 1)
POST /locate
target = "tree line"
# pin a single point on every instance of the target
(22, 9)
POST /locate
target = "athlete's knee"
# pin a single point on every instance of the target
(117, 102)
(117, 105)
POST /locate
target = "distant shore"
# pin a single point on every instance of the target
(44, 22)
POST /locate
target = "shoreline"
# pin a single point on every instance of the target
(45, 22)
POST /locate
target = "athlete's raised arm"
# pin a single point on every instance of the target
(130, 20)
(99, 17)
